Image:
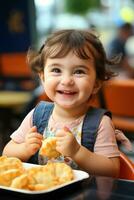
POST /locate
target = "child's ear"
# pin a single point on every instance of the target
(97, 86)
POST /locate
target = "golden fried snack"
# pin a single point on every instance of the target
(11, 160)
(22, 182)
(10, 163)
(50, 175)
(2, 159)
(38, 186)
(48, 148)
(62, 171)
(14, 175)
(6, 177)
(43, 176)
(33, 180)
(10, 168)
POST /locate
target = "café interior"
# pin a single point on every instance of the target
(21, 90)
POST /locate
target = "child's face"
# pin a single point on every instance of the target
(69, 81)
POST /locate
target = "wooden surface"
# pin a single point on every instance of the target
(13, 98)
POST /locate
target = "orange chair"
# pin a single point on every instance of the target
(126, 167)
(14, 67)
(119, 98)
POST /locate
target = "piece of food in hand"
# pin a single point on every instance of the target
(48, 148)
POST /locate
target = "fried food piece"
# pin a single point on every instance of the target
(38, 186)
(42, 176)
(48, 148)
(11, 160)
(50, 175)
(7, 163)
(2, 159)
(10, 168)
(6, 177)
(34, 179)
(62, 171)
(22, 182)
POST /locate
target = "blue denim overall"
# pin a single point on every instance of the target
(90, 126)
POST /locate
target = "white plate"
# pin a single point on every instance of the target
(78, 176)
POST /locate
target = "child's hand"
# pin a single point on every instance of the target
(33, 141)
(66, 143)
(120, 136)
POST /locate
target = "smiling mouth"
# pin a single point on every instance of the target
(66, 92)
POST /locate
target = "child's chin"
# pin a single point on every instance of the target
(65, 104)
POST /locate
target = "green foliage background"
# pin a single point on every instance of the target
(81, 6)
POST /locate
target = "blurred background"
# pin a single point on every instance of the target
(27, 23)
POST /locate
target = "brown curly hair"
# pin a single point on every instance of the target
(81, 42)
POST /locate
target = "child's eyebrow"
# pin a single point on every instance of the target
(82, 67)
(55, 65)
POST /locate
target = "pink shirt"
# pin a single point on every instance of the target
(105, 142)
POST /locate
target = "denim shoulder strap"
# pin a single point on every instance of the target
(41, 115)
(90, 126)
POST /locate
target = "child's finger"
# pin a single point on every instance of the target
(33, 132)
(60, 133)
(63, 131)
(34, 148)
(35, 135)
(65, 128)
(35, 141)
(33, 129)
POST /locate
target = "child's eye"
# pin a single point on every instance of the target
(79, 71)
(56, 70)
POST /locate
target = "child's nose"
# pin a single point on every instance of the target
(67, 80)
